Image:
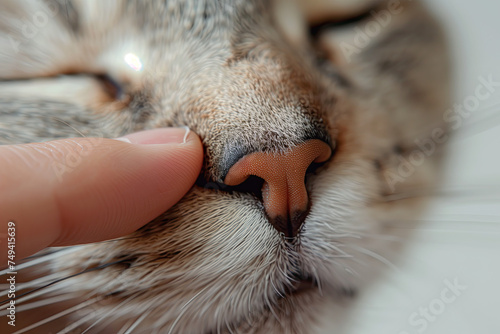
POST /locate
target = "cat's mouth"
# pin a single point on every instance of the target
(301, 283)
(302, 286)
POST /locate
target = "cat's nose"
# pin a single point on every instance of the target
(284, 191)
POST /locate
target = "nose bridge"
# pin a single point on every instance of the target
(284, 192)
(270, 115)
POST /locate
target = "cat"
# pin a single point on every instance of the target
(364, 83)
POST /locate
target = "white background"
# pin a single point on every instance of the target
(460, 238)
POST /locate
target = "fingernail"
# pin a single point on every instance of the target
(186, 134)
(158, 136)
(123, 139)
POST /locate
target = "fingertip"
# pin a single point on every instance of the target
(133, 185)
(101, 189)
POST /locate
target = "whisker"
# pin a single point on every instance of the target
(317, 280)
(451, 191)
(228, 326)
(269, 304)
(385, 237)
(124, 328)
(69, 125)
(77, 323)
(42, 259)
(137, 322)
(39, 281)
(276, 290)
(31, 296)
(33, 283)
(22, 299)
(376, 257)
(44, 252)
(96, 322)
(105, 315)
(184, 308)
(63, 279)
(59, 315)
(45, 302)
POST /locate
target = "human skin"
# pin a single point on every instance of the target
(116, 187)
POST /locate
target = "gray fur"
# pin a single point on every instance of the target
(213, 263)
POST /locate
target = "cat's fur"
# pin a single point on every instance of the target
(229, 71)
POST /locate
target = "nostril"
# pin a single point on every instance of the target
(283, 188)
(314, 166)
(253, 185)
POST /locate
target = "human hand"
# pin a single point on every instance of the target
(115, 188)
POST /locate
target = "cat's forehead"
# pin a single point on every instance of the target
(167, 43)
(168, 21)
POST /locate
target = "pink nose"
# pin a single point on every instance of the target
(284, 191)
